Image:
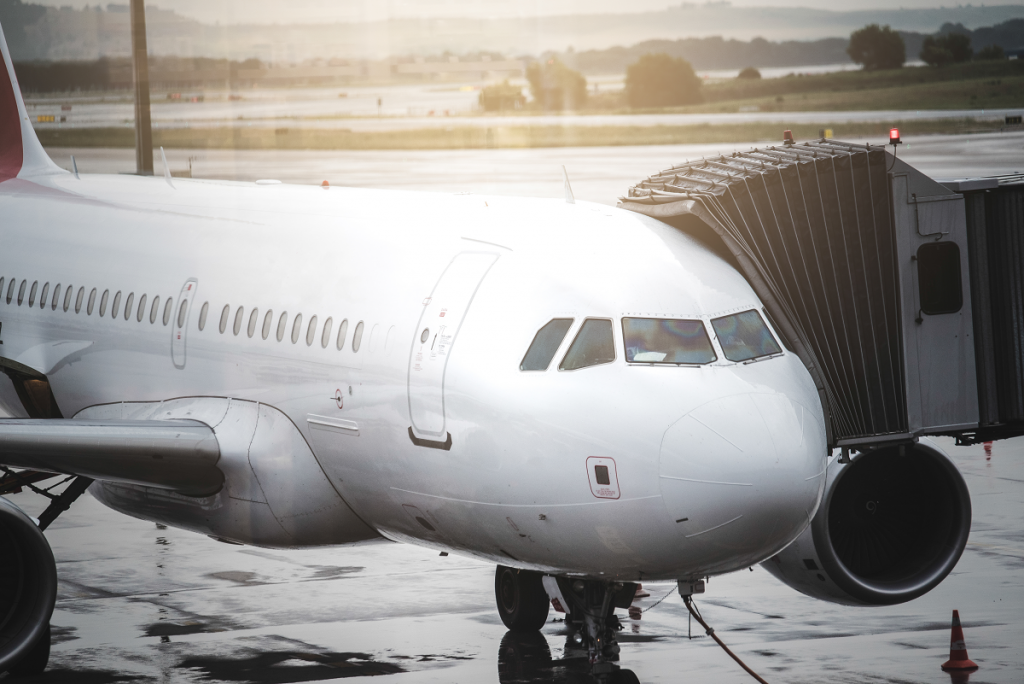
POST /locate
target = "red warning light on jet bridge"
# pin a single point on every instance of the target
(894, 136)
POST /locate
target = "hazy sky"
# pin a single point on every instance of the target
(303, 11)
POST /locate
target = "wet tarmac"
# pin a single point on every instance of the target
(597, 174)
(143, 603)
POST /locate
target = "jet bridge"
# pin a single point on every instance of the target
(903, 297)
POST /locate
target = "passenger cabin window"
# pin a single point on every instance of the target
(311, 332)
(268, 323)
(43, 296)
(357, 336)
(238, 320)
(744, 336)
(56, 297)
(153, 309)
(593, 345)
(128, 303)
(115, 308)
(78, 299)
(142, 309)
(103, 302)
(32, 293)
(21, 292)
(254, 318)
(938, 278)
(10, 291)
(296, 328)
(669, 341)
(168, 310)
(342, 332)
(203, 313)
(282, 324)
(325, 338)
(225, 312)
(92, 302)
(545, 343)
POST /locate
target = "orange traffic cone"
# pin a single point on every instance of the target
(958, 659)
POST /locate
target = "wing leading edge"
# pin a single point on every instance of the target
(179, 455)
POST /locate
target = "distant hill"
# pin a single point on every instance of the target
(65, 33)
(719, 53)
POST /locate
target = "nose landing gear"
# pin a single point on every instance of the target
(592, 618)
(523, 599)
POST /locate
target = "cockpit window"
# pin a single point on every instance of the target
(667, 341)
(593, 345)
(545, 344)
(744, 336)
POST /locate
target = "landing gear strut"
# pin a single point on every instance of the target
(592, 618)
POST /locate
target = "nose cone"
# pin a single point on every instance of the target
(741, 477)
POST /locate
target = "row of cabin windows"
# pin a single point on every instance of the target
(80, 300)
(743, 337)
(281, 328)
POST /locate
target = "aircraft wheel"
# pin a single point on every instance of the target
(522, 601)
(34, 663)
(626, 677)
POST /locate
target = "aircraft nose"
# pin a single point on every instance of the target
(743, 471)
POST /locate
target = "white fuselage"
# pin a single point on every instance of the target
(735, 452)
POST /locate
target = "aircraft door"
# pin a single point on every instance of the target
(442, 316)
(181, 316)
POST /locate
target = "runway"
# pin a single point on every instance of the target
(139, 603)
(597, 174)
(142, 603)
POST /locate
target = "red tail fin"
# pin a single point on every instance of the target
(20, 151)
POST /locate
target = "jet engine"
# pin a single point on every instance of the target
(891, 525)
(28, 588)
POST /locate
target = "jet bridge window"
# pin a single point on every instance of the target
(744, 336)
(666, 341)
(938, 277)
(594, 345)
(545, 343)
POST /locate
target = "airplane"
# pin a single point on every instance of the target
(585, 396)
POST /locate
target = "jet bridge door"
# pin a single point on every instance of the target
(441, 317)
(931, 234)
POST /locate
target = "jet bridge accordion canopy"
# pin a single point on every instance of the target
(862, 263)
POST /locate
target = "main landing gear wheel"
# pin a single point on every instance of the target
(522, 601)
(34, 662)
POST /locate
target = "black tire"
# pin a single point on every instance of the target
(522, 601)
(34, 663)
(626, 677)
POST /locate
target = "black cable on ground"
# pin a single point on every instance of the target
(711, 633)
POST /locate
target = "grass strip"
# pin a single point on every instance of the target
(517, 137)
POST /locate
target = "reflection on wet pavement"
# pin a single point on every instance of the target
(193, 610)
(287, 667)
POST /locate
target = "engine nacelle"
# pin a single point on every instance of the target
(890, 527)
(28, 585)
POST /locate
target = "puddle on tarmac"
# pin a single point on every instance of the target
(288, 667)
(61, 676)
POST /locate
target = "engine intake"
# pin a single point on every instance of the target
(890, 527)
(28, 585)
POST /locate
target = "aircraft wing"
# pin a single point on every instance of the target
(179, 455)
